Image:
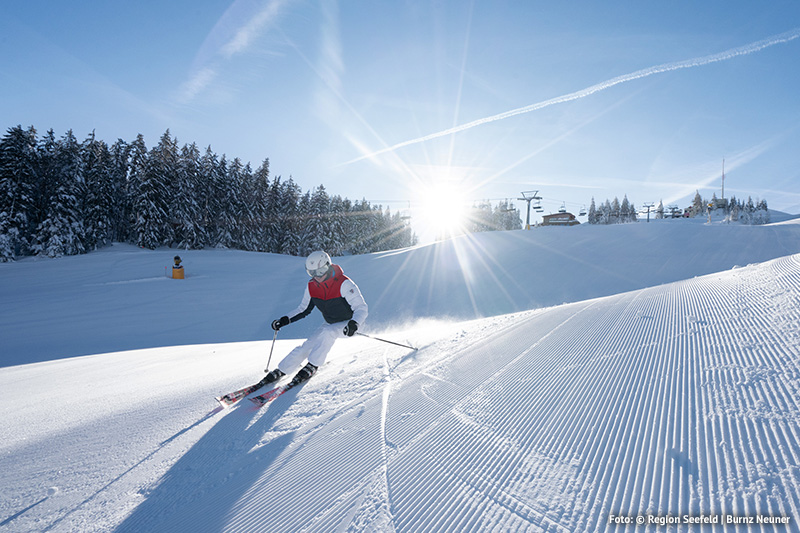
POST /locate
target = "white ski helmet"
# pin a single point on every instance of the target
(318, 264)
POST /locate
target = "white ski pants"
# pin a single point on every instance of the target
(315, 348)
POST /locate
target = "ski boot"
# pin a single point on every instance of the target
(271, 377)
(304, 373)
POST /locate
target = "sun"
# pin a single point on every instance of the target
(442, 211)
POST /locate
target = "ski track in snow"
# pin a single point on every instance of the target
(678, 399)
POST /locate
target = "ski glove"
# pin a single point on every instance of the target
(278, 324)
(350, 328)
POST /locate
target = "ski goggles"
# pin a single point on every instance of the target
(318, 272)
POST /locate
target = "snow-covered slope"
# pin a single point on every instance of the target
(682, 398)
(119, 299)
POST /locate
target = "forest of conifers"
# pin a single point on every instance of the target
(60, 196)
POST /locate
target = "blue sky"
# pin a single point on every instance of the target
(411, 101)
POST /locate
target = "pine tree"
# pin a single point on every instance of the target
(761, 213)
(290, 202)
(698, 205)
(615, 211)
(625, 210)
(248, 232)
(593, 215)
(210, 202)
(275, 217)
(99, 200)
(366, 228)
(316, 231)
(18, 161)
(223, 235)
(733, 210)
(356, 228)
(508, 217)
(185, 211)
(337, 215)
(260, 225)
(749, 211)
(121, 215)
(232, 210)
(150, 202)
(46, 177)
(62, 232)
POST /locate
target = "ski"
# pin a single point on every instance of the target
(231, 398)
(271, 394)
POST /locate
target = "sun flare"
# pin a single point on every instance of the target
(443, 211)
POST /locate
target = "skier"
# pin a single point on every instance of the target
(342, 306)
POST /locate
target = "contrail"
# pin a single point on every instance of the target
(666, 67)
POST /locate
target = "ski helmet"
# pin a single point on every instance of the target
(318, 264)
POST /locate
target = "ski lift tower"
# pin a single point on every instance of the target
(529, 196)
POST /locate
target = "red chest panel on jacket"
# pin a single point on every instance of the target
(330, 288)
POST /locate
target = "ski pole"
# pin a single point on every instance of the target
(275, 336)
(384, 340)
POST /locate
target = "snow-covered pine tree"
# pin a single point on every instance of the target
(209, 199)
(593, 214)
(46, 177)
(275, 218)
(223, 235)
(356, 227)
(234, 211)
(367, 228)
(121, 216)
(250, 234)
(733, 210)
(300, 223)
(291, 200)
(625, 210)
(698, 205)
(260, 226)
(605, 213)
(62, 231)
(137, 164)
(185, 211)
(337, 216)
(18, 162)
(616, 211)
(98, 205)
(761, 215)
(479, 217)
(316, 230)
(402, 235)
(749, 211)
(150, 202)
(378, 229)
(507, 217)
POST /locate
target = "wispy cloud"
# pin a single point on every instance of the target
(234, 33)
(643, 73)
(197, 83)
(252, 27)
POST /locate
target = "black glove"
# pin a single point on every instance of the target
(350, 328)
(278, 324)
